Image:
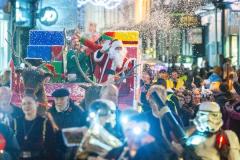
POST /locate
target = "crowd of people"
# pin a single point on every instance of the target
(189, 103)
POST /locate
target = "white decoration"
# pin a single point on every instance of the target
(108, 4)
(80, 3)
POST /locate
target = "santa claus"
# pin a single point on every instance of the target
(109, 59)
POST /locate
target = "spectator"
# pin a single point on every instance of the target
(9, 110)
(11, 147)
(30, 130)
(65, 114)
(146, 83)
(5, 79)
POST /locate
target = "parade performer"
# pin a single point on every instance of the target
(109, 58)
(34, 80)
(99, 140)
(210, 141)
(84, 61)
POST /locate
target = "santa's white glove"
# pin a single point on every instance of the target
(106, 46)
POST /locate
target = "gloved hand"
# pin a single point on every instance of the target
(106, 46)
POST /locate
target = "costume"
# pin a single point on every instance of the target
(34, 80)
(109, 59)
(209, 141)
(84, 62)
(179, 83)
(99, 140)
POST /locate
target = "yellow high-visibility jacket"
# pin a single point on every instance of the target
(170, 84)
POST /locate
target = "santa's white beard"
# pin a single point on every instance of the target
(117, 57)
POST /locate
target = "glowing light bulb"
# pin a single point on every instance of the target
(124, 120)
(137, 130)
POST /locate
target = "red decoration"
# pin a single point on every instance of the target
(56, 53)
(110, 34)
(221, 140)
(77, 93)
(51, 68)
(2, 142)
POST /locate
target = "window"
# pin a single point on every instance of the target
(3, 45)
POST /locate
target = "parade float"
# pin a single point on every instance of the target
(46, 69)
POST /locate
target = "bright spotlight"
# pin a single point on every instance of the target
(124, 120)
(92, 115)
(137, 130)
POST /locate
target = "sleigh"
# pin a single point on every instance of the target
(47, 52)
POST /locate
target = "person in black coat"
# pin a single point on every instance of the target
(146, 144)
(187, 112)
(11, 148)
(30, 130)
(145, 83)
(159, 129)
(9, 110)
(63, 114)
(138, 145)
(223, 96)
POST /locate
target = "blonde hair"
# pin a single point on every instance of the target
(217, 70)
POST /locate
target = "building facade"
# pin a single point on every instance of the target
(4, 28)
(222, 22)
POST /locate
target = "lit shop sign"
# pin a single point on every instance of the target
(48, 16)
(187, 21)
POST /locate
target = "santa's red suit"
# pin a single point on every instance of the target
(110, 61)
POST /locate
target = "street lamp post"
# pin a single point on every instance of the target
(219, 5)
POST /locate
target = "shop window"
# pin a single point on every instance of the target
(23, 13)
(3, 45)
(234, 50)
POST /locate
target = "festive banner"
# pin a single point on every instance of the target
(77, 93)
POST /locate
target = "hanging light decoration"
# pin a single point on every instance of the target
(108, 4)
(112, 4)
(99, 2)
(80, 3)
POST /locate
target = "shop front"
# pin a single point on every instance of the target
(4, 25)
(231, 45)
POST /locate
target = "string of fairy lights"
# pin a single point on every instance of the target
(108, 4)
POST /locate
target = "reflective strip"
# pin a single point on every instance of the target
(169, 99)
(15, 125)
(44, 129)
